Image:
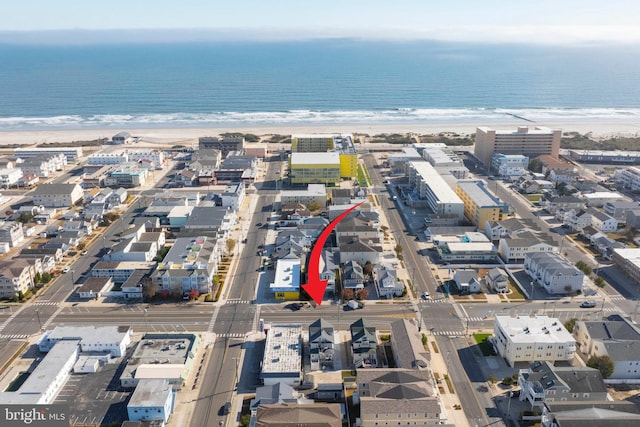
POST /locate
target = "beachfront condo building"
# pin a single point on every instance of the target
(348, 165)
(322, 143)
(479, 204)
(529, 142)
(314, 168)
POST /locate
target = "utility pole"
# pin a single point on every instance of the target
(39, 322)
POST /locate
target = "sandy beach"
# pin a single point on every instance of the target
(597, 129)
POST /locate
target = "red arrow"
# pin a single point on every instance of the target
(316, 287)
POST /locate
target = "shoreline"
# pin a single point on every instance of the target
(596, 129)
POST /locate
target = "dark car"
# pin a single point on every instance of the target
(225, 409)
(588, 304)
(259, 224)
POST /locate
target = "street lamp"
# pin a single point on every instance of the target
(72, 276)
(146, 325)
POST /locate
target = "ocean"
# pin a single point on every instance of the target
(312, 82)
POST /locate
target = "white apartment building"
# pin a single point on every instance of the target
(509, 165)
(9, 177)
(282, 361)
(108, 158)
(429, 185)
(57, 195)
(532, 338)
(105, 339)
(525, 141)
(600, 198)
(555, 274)
(190, 264)
(315, 193)
(156, 157)
(630, 178)
(71, 153)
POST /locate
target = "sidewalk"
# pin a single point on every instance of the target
(438, 366)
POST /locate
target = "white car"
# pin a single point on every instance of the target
(426, 296)
(66, 269)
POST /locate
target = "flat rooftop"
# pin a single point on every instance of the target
(283, 349)
(538, 329)
(434, 180)
(478, 192)
(332, 158)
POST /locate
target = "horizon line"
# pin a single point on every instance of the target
(275, 35)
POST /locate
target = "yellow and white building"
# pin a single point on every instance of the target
(286, 285)
(314, 168)
(479, 204)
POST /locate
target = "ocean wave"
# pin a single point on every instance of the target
(477, 116)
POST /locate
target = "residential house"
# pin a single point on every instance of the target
(16, 276)
(11, 233)
(94, 287)
(496, 230)
(466, 281)
(28, 180)
(357, 225)
(406, 345)
(576, 221)
(555, 274)
(329, 263)
(398, 397)
(57, 195)
(9, 177)
(497, 280)
(364, 344)
(271, 395)
(514, 249)
(565, 203)
(633, 218)
(618, 209)
(605, 245)
(186, 178)
(387, 283)
(233, 195)
(351, 248)
(352, 275)
(542, 382)
(321, 343)
(600, 198)
(529, 338)
(616, 337)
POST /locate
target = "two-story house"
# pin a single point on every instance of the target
(386, 281)
(321, 344)
(542, 382)
(364, 344)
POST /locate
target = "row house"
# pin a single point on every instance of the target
(496, 230)
(57, 195)
(618, 209)
(43, 166)
(554, 273)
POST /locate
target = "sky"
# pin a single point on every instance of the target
(539, 21)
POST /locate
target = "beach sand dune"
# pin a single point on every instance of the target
(597, 130)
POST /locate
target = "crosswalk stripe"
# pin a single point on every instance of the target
(16, 336)
(230, 335)
(45, 303)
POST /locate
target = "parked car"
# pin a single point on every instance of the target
(66, 269)
(225, 409)
(588, 304)
(83, 253)
(426, 296)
